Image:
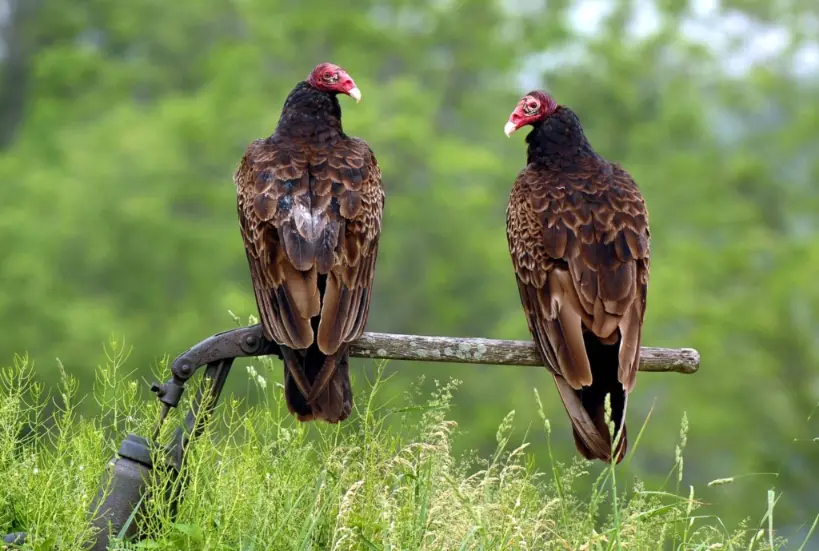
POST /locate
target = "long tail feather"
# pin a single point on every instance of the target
(586, 407)
(317, 386)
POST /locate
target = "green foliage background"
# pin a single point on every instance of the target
(121, 124)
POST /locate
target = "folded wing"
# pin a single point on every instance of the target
(579, 246)
(310, 220)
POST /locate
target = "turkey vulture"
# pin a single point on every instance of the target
(310, 203)
(578, 235)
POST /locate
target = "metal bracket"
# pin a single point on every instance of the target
(227, 345)
(217, 352)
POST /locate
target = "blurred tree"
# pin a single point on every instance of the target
(121, 125)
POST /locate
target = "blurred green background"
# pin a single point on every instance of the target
(121, 124)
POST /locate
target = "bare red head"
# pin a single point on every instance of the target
(533, 107)
(332, 78)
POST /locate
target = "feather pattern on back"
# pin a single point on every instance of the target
(577, 228)
(310, 204)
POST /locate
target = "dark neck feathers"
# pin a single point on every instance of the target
(310, 112)
(558, 140)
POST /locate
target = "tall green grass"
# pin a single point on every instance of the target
(256, 479)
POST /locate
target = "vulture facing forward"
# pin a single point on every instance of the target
(310, 203)
(578, 234)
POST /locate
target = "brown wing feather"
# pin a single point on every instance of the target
(591, 261)
(357, 192)
(305, 212)
(579, 246)
(269, 180)
(629, 246)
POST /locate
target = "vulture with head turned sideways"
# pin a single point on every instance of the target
(577, 228)
(310, 204)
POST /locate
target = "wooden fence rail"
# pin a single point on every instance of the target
(498, 352)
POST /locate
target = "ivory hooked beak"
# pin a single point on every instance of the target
(355, 93)
(509, 128)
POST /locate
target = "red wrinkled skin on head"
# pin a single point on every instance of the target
(343, 85)
(546, 106)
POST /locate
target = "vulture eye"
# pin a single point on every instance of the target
(531, 108)
(332, 78)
